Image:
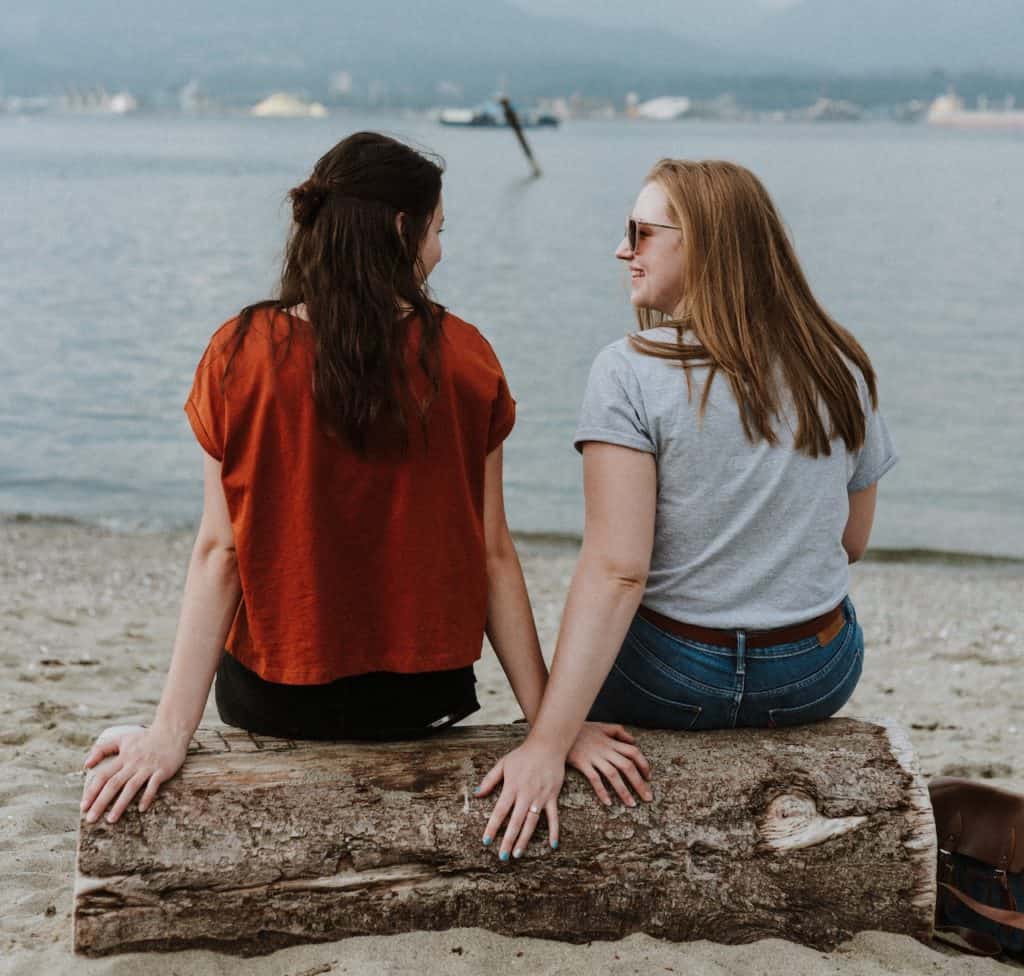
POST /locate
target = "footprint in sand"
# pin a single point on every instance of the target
(980, 770)
(75, 739)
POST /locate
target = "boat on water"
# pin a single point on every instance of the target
(491, 115)
(949, 111)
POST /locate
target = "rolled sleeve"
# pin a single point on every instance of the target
(876, 457)
(878, 453)
(503, 416)
(205, 407)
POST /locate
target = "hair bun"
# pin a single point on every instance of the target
(307, 198)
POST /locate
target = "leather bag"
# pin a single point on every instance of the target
(980, 900)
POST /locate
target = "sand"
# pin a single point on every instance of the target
(87, 619)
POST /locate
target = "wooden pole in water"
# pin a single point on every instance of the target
(513, 120)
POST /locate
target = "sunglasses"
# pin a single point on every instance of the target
(632, 236)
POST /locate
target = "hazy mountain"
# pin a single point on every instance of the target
(700, 47)
(838, 36)
(259, 45)
(885, 35)
(704, 21)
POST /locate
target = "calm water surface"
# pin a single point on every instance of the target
(127, 241)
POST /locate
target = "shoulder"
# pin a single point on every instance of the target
(223, 337)
(863, 390)
(468, 339)
(461, 331)
(270, 326)
(218, 348)
(623, 360)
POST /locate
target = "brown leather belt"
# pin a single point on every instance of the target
(824, 628)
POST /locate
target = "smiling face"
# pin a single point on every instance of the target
(656, 266)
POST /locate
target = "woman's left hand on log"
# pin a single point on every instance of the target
(136, 758)
(607, 752)
(532, 777)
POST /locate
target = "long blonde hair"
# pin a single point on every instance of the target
(752, 314)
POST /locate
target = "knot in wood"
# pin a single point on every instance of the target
(792, 822)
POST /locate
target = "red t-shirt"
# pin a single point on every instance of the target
(348, 564)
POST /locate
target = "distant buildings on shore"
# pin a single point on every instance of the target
(947, 110)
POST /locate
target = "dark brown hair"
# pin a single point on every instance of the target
(752, 313)
(360, 280)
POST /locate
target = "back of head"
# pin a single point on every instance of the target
(345, 233)
(751, 312)
(356, 268)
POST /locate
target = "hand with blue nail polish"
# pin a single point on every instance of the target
(531, 778)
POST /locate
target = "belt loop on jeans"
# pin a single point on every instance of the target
(741, 652)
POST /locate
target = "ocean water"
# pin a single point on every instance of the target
(127, 241)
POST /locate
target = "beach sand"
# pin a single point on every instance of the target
(87, 619)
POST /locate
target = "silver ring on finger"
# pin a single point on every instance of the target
(534, 809)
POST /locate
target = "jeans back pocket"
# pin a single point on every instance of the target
(828, 703)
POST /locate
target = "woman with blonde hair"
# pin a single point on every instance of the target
(731, 453)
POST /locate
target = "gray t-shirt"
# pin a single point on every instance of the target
(746, 535)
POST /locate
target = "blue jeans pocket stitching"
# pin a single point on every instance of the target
(692, 683)
(857, 658)
(695, 709)
(817, 675)
(796, 649)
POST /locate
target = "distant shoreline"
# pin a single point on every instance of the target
(554, 540)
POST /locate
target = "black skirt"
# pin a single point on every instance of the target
(379, 706)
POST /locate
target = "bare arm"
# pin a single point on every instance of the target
(212, 590)
(620, 486)
(510, 624)
(859, 522)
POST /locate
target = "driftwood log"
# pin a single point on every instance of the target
(808, 834)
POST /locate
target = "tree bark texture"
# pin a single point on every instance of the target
(808, 834)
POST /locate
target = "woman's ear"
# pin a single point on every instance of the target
(400, 223)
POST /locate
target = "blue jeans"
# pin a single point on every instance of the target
(666, 682)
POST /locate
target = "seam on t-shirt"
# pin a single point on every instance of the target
(325, 675)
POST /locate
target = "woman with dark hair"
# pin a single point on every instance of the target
(731, 453)
(353, 548)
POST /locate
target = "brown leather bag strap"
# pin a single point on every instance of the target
(1002, 916)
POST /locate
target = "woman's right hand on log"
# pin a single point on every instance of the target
(128, 761)
(532, 777)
